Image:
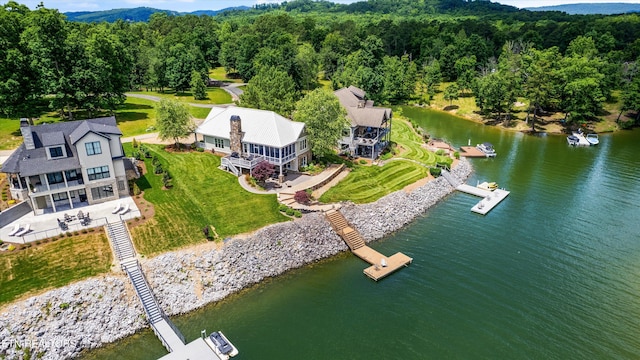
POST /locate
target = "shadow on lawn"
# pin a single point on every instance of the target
(143, 183)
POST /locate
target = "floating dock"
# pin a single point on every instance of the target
(582, 140)
(471, 152)
(490, 199)
(381, 265)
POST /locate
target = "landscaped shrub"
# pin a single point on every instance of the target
(440, 152)
(200, 149)
(136, 189)
(362, 161)
(157, 169)
(134, 143)
(290, 211)
(297, 213)
(435, 171)
(155, 160)
(136, 155)
(283, 207)
(456, 154)
(263, 170)
(11, 247)
(302, 197)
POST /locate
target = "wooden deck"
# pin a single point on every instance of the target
(376, 271)
(472, 152)
(356, 243)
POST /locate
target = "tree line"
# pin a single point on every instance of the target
(396, 51)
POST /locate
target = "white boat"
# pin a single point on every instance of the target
(582, 140)
(593, 139)
(487, 149)
(221, 345)
(490, 186)
(573, 140)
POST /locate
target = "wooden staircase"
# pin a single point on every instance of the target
(381, 265)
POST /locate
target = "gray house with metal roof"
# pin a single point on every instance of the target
(370, 130)
(67, 164)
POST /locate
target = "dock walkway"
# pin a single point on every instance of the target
(381, 265)
(490, 199)
(160, 323)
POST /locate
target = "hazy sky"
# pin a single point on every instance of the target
(192, 5)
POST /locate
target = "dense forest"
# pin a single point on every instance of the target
(397, 51)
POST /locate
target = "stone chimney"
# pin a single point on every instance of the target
(27, 135)
(236, 134)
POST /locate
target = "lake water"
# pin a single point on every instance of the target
(551, 273)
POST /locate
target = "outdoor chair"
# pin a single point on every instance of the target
(117, 208)
(26, 229)
(124, 210)
(80, 215)
(67, 218)
(15, 229)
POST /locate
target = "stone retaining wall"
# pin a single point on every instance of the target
(62, 322)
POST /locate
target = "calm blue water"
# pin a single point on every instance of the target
(551, 273)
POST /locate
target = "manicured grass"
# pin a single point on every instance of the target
(369, 183)
(53, 265)
(198, 112)
(135, 116)
(214, 96)
(10, 136)
(219, 74)
(201, 195)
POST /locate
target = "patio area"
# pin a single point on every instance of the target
(47, 225)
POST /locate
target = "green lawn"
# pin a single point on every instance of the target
(198, 112)
(219, 74)
(201, 195)
(53, 265)
(214, 96)
(369, 183)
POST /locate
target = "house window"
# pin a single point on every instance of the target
(55, 178)
(219, 143)
(55, 152)
(101, 192)
(303, 144)
(93, 148)
(346, 132)
(60, 196)
(72, 175)
(100, 172)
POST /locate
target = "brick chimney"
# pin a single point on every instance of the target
(236, 134)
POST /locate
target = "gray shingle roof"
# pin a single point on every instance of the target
(361, 113)
(33, 162)
(52, 138)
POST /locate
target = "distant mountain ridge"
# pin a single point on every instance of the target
(590, 9)
(139, 14)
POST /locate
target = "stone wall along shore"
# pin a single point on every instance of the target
(60, 323)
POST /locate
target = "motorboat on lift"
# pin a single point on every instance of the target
(593, 139)
(487, 149)
(221, 345)
(490, 186)
(573, 140)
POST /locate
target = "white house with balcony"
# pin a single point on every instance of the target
(249, 136)
(67, 164)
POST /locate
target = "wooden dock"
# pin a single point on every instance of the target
(471, 152)
(381, 265)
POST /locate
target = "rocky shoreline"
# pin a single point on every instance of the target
(63, 322)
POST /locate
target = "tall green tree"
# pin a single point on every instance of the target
(399, 78)
(451, 92)
(324, 120)
(271, 89)
(466, 72)
(198, 87)
(173, 120)
(542, 81)
(431, 78)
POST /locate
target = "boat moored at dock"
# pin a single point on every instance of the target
(487, 149)
(593, 139)
(221, 345)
